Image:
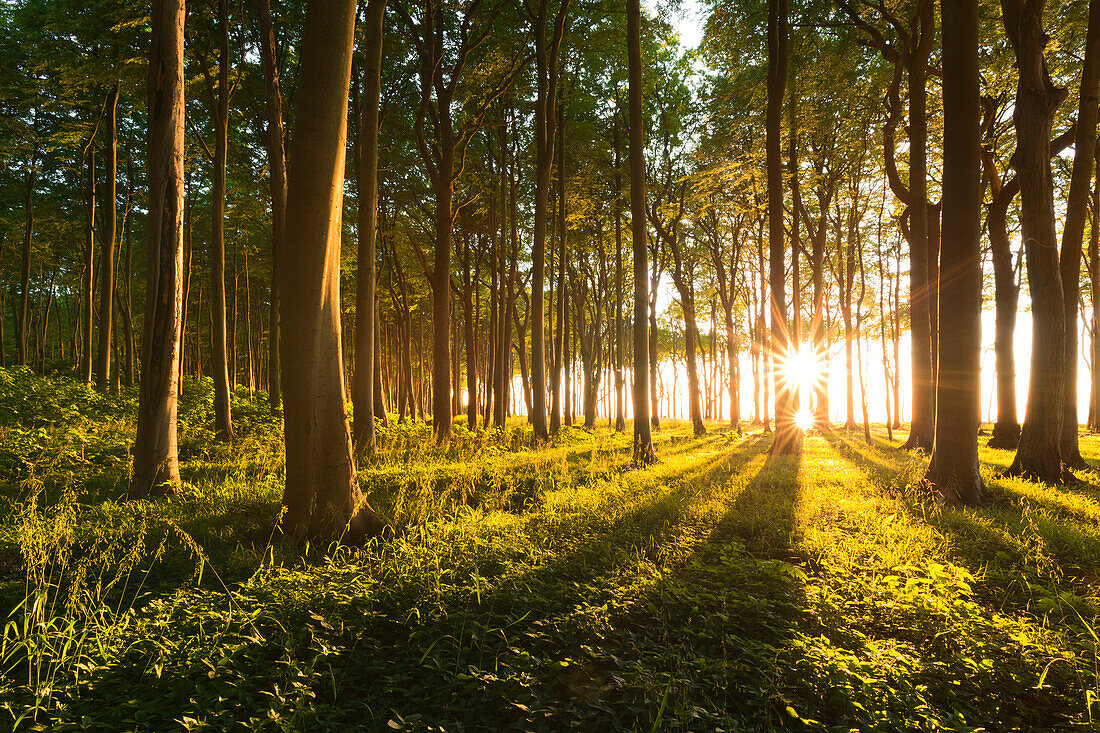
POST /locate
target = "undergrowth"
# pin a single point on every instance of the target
(533, 588)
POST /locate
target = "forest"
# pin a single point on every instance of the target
(544, 365)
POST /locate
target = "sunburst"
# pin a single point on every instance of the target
(802, 370)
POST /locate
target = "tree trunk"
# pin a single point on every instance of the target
(276, 154)
(788, 437)
(321, 499)
(23, 320)
(362, 385)
(620, 394)
(126, 303)
(922, 428)
(546, 58)
(1006, 430)
(643, 440)
(1073, 233)
(953, 469)
(87, 296)
(107, 244)
(1094, 285)
(156, 457)
(1039, 453)
(223, 420)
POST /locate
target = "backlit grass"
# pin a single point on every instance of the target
(530, 589)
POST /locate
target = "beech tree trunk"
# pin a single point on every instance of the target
(219, 368)
(321, 498)
(22, 321)
(1094, 285)
(276, 153)
(788, 437)
(620, 393)
(156, 458)
(107, 237)
(920, 291)
(643, 439)
(953, 469)
(546, 58)
(1039, 454)
(362, 385)
(87, 295)
(1006, 430)
(1074, 230)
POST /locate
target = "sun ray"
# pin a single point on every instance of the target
(802, 371)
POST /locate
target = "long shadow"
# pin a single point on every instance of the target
(998, 546)
(468, 651)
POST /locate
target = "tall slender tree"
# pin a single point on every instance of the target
(219, 92)
(1073, 232)
(321, 499)
(546, 63)
(788, 436)
(1039, 453)
(156, 457)
(953, 469)
(362, 384)
(643, 438)
(107, 237)
(276, 154)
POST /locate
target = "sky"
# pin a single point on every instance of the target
(689, 23)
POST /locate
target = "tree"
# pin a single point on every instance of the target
(107, 243)
(276, 155)
(362, 384)
(643, 439)
(1039, 453)
(917, 39)
(219, 93)
(156, 458)
(546, 63)
(321, 498)
(446, 44)
(788, 437)
(1073, 232)
(953, 468)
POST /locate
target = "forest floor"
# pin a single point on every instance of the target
(551, 589)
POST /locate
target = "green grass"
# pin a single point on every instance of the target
(526, 589)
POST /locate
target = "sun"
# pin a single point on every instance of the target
(804, 420)
(801, 368)
(801, 371)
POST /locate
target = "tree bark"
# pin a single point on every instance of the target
(87, 295)
(1038, 455)
(107, 237)
(1074, 230)
(620, 394)
(276, 153)
(22, 320)
(643, 440)
(156, 457)
(922, 428)
(788, 437)
(223, 420)
(546, 58)
(321, 498)
(362, 385)
(953, 469)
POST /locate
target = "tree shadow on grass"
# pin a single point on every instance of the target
(1014, 555)
(502, 637)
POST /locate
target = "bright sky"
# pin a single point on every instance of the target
(689, 22)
